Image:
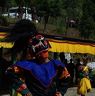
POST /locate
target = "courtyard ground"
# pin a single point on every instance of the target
(70, 92)
(73, 92)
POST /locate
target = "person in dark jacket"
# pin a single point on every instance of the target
(71, 69)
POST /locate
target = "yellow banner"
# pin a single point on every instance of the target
(71, 47)
(59, 45)
(3, 35)
(6, 44)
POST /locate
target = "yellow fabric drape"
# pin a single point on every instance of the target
(62, 46)
(71, 47)
(84, 86)
(3, 35)
(18, 94)
(6, 44)
(59, 45)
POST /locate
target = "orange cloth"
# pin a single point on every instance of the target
(65, 73)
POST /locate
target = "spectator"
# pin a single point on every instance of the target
(71, 69)
(84, 85)
(76, 70)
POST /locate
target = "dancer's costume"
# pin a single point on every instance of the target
(36, 78)
(39, 78)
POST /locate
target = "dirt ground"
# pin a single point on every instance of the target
(70, 92)
(73, 92)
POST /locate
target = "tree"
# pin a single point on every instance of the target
(87, 23)
(2, 5)
(87, 27)
(48, 8)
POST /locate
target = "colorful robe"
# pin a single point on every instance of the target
(37, 79)
(84, 83)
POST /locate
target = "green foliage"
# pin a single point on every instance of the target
(7, 3)
(12, 3)
(50, 7)
(82, 10)
(87, 23)
(55, 7)
(60, 25)
(73, 8)
(2, 3)
(19, 2)
(3, 21)
(87, 27)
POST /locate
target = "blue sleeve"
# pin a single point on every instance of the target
(58, 63)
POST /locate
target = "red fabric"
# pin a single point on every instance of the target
(22, 87)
